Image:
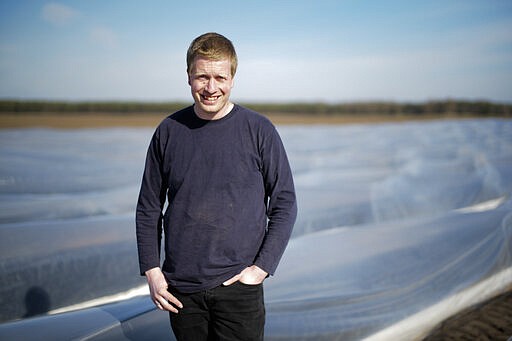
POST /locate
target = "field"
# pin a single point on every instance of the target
(16, 114)
(99, 120)
(490, 320)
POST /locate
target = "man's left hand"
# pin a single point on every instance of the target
(252, 275)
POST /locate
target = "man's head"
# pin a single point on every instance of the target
(211, 66)
(212, 46)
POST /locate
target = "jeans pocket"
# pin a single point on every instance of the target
(248, 284)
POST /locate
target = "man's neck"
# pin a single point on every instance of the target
(214, 116)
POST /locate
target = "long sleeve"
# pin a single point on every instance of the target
(281, 206)
(149, 207)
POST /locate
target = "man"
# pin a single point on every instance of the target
(230, 205)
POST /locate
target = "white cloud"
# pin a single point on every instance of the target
(458, 71)
(141, 76)
(58, 14)
(461, 64)
(104, 36)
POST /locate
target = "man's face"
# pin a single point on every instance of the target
(211, 83)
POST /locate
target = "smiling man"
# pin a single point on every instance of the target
(224, 173)
(211, 82)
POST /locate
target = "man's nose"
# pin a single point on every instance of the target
(211, 85)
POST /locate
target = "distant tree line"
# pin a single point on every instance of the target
(447, 107)
(88, 107)
(444, 107)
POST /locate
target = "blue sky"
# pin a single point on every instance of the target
(329, 51)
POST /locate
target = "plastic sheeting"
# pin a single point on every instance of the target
(348, 283)
(394, 219)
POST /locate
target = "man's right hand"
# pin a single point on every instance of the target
(158, 290)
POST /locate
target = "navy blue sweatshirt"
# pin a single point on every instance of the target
(230, 198)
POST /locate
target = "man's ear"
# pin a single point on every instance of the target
(188, 78)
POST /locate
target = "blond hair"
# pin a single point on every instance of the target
(212, 46)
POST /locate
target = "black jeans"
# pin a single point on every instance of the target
(234, 312)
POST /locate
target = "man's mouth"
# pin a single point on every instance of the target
(210, 98)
